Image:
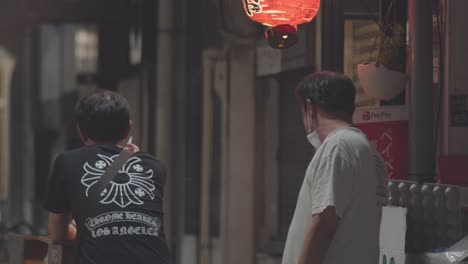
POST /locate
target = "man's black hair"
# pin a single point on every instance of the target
(330, 91)
(104, 116)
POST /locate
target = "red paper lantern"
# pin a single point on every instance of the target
(282, 17)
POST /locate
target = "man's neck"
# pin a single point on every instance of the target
(327, 126)
(89, 142)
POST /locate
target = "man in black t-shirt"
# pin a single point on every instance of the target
(124, 224)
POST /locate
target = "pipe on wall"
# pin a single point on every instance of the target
(421, 102)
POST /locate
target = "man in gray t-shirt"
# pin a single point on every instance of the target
(338, 211)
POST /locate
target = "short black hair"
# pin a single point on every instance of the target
(331, 92)
(104, 116)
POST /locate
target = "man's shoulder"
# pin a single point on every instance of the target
(71, 154)
(75, 151)
(346, 142)
(148, 158)
(348, 137)
(90, 152)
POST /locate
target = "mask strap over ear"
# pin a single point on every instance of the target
(314, 116)
(311, 111)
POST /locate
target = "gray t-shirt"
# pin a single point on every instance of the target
(348, 173)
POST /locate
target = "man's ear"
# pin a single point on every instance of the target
(84, 137)
(312, 112)
(309, 107)
(130, 125)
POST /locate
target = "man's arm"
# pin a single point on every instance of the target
(59, 226)
(319, 236)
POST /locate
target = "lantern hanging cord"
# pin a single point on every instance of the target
(366, 6)
(383, 26)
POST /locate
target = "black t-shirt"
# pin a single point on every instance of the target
(125, 224)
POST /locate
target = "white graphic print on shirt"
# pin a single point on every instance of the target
(129, 187)
(107, 224)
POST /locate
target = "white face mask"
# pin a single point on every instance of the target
(314, 139)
